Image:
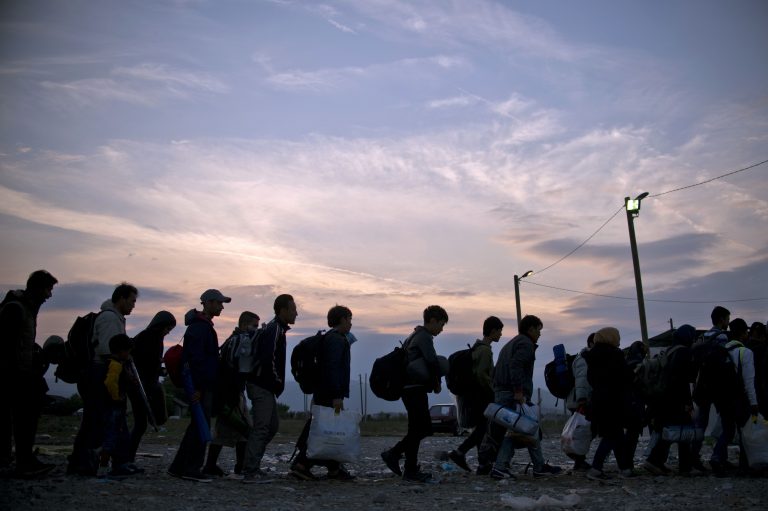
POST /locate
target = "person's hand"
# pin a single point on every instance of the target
(438, 386)
(338, 405)
(754, 410)
(195, 398)
(520, 397)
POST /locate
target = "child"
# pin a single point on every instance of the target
(120, 377)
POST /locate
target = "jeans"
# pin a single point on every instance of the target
(116, 437)
(616, 442)
(265, 425)
(499, 447)
(191, 454)
(477, 435)
(419, 426)
(660, 452)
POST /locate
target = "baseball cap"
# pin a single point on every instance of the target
(214, 294)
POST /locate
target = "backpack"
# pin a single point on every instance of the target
(558, 373)
(230, 382)
(174, 364)
(461, 375)
(651, 378)
(305, 362)
(387, 377)
(719, 381)
(78, 350)
(240, 351)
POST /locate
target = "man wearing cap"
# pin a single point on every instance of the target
(22, 366)
(201, 355)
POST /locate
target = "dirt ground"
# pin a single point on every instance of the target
(375, 487)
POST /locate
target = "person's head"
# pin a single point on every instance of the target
(608, 335)
(213, 302)
(163, 322)
(248, 321)
(340, 318)
(285, 309)
(40, 285)
(684, 335)
(124, 298)
(492, 327)
(531, 326)
(757, 331)
(435, 319)
(120, 346)
(590, 340)
(720, 317)
(637, 351)
(739, 330)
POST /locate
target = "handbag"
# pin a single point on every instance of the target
(682, 433)
(334, 436)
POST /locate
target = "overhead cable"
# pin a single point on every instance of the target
(709, 180)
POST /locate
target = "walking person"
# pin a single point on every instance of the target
(473, 404)
(201, 358)
(579, 400)
(264, 385)
(332, 388)
(421, 354)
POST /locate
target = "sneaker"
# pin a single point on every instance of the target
(483, 470)
(698, 465)
(302, 472)
(120, 471)
(342, 474)
(597, 475)
(459, 459)
(257, 477)
(581, 466)
(36, 468)
(235, 477)
(546, 471)
(498, 474)
(654, 469)
(392, 461)
(198, 477)
(134, 468)
(417, 476)
(214, 471)
(627, 473)
(718, 469)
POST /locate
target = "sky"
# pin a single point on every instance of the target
(388, 155)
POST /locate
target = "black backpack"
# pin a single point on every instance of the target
(719, 381)
(230, 382)
(305, 362)
(461, 375)
(558, 374)
(387, 377)
(78, 350)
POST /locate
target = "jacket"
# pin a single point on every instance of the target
(108, 324)
(744, 358)
(678, 373)
(201, 350)
(482, 369)
(514, 368)
(21, 355)
(608, 375)
(582, 390)
(421, 346)
(269, 373)
(334, 364)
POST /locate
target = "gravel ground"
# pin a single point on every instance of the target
(375, 488)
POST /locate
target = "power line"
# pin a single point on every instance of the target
(709, 180)
(647, 299)
(583, 242)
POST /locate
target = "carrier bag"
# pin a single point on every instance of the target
(682, 434)
(334, 436)
(754, 437)
(523, 420)
(577, 435)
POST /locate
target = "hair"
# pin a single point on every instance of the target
(527, 322)
(757, 328)
(719, 314)
(435, 312)
(490, 324)
(120, 342)
(337, 313)
(282, 302)
(591, 340)
(738, 328)
(124, 290)
(41, 279)
(247, 317)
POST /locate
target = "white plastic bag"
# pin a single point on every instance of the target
(577, 435)
(332, 436)
(754, 437)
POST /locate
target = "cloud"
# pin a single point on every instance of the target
(456, 101)
(85, 295)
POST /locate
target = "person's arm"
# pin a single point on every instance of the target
(112, 381)
(521, 355)
(11, 325)
(581, 385)
(748, 375)
(484, 369)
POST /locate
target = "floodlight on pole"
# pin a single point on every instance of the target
(633, 210)
(517, 293)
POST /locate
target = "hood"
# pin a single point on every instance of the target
(109, 306)
(161, 320)
(14, 295)
(190, 316)
(684, 335)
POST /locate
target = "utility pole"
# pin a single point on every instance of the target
(517, 294)
(633, 210)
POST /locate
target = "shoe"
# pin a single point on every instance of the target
(459, 459)
(134, 468)
(214, 471)
(120, 471)
(417, 476)
(198, 476)
(257, 477)
(698, 465)
(483, 470)
(392, 461)
(342, 474)
(235, 477)
(302, 472)
(581, 466)
(627, 473)
(654, 469)
(35, 468)
(597, 475)
(498, 475)
(718, 469)
(546, 471)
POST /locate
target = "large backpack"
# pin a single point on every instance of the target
(461, 375)
(78, 350)
(651, 376)
(305, 362)
(230, 382)
(719, 381)
(387, 377)
(558, 373)
(174, 364)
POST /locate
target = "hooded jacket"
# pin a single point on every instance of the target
(514, 368)
(334, 367)
(109, 323)
(201, 350)
(148, 347)
(18, 329)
